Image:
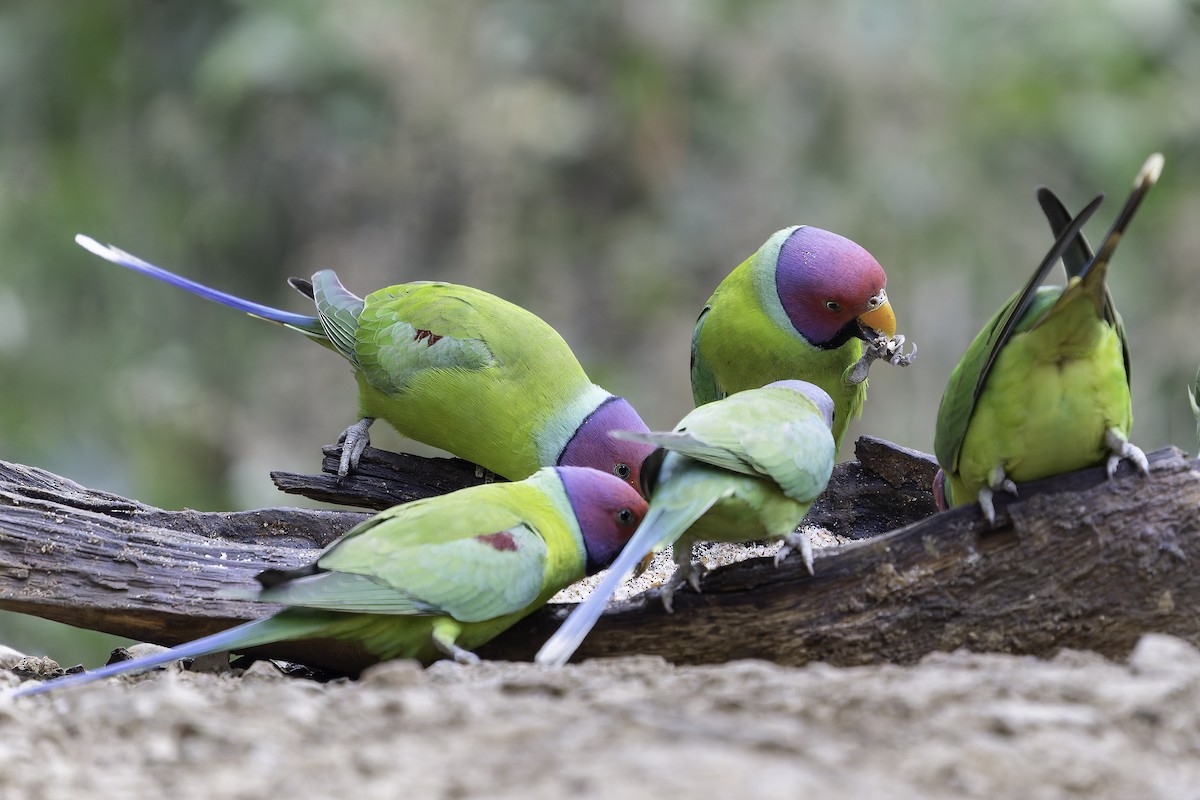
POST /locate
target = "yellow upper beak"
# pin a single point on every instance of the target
(881, 318)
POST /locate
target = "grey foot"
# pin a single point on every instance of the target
(998, 481)
(460, 654)
(1122, 449)
(796, 540)
(688, 573)
(880, 349)
(354, 441)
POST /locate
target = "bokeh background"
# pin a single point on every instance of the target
(603, 164)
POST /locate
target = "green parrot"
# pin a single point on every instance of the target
(453, 367)
(434, 577)
(1044, 388)
(801, 308)
(740, 469)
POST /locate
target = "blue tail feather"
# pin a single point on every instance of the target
(306, 324)
(658, 528)
(246, 635)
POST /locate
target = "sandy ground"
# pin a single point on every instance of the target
(956, 725)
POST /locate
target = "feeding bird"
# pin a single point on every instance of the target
(740, 469)
(434, 577)
(800, 308)
(453, 367)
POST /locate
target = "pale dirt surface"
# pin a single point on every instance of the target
(956, 725)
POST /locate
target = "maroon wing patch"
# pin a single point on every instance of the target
(502, 541)
(429, 337)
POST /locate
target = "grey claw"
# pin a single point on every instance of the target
(354, 441)
(987, 507)
(1122, 449)
(793, 541)
(689, 574)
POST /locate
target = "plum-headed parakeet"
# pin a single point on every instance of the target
(434, 577)
(453, 367)
(1044, 388)
(744, 468)
(799, 308)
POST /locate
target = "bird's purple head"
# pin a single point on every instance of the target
(591, 446)
(609, 510)
(819, 396)
(832, 289)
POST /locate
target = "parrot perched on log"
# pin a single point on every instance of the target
(434, 577)
(740, 469)
(800, 307)
(1044, 388)
(453, 367)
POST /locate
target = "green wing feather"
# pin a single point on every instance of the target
(472, 561)
(773, 432)
(704, 384)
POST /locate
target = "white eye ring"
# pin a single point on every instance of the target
(833, 306)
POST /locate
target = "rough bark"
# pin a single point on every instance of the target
(1076, 561)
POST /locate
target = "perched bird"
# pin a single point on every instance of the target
(740, 469)
(434, 577)
(1044, 388)
(453, 367)
(799, 308)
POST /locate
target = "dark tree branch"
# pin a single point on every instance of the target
(383, 479)
(1076, 561)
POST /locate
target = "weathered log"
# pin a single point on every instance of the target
(1076, 561)
(382, 479)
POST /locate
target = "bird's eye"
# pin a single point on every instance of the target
(622, 471)
(833, 306)
(625, 517)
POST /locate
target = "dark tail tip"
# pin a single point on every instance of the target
(270, 578)
(302, 286)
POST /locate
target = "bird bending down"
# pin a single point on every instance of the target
(435, 577)
(740, 469)
(453, 367)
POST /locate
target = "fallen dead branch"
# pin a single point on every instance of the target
(1076, 561)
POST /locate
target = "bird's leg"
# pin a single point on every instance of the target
(686, 571)
(794, 540)
(997, 482)
(354, 441)
(881, 347)
(486, 474)
(643, 565)
(445, 632)
(1121, 448)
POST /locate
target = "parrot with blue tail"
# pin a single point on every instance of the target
(801, 307)
(453, 367)
(435, 577)
(1044, 388)
(739, 469)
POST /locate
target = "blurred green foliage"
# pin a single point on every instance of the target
(603, 164)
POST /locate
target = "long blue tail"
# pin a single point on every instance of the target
(259, 631)
(310, 326)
